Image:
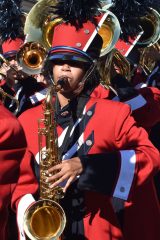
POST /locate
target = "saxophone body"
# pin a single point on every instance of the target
(45, 219)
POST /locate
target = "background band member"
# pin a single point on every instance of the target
(17, 177)
(12, 37)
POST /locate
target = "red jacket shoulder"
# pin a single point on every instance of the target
(10, 130)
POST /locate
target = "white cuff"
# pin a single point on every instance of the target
(126, 175)
(22, 206)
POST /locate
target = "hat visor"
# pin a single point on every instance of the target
(66, 53)
(68, 57)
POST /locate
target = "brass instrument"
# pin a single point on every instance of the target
(110, 32)
(110, 65)
(149, 56)
(8, 63)
(46, 219)
(106, 4)
(13, 99)
(39, 25)
(148, 44)
(2, 92)
(150, 25)
(41, 29)
(31, 57)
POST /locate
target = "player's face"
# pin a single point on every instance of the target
(73, 72)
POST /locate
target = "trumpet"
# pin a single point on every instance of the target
(31, 57)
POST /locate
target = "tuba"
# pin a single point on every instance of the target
(39, 25)
(37, 28)
(150, 25)
(46, 219)
(148, 44)
(41, 29)
(110, 32)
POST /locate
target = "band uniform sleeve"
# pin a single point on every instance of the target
(140, 160)
(118, 173)
(147, 112)
(25, 190)
(16, 178)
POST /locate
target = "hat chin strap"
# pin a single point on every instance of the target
(89, 72)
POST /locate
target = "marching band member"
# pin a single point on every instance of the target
(103, 153)
(25, 86)
(17, 178)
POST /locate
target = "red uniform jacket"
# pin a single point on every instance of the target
(16, 176)
(106, 127)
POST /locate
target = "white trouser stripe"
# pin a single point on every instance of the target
(22, 206)
(124, 183)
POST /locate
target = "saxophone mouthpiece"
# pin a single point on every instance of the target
(61, 82)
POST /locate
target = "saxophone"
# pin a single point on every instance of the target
(45, 219)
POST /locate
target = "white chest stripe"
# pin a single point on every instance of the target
(74, 148)
(126, 175)
(39, 96)
(18, 93)
(71, 151)
(136, 103)
(61, 137)
(60, 141)
(79, 142)
(76, 123)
